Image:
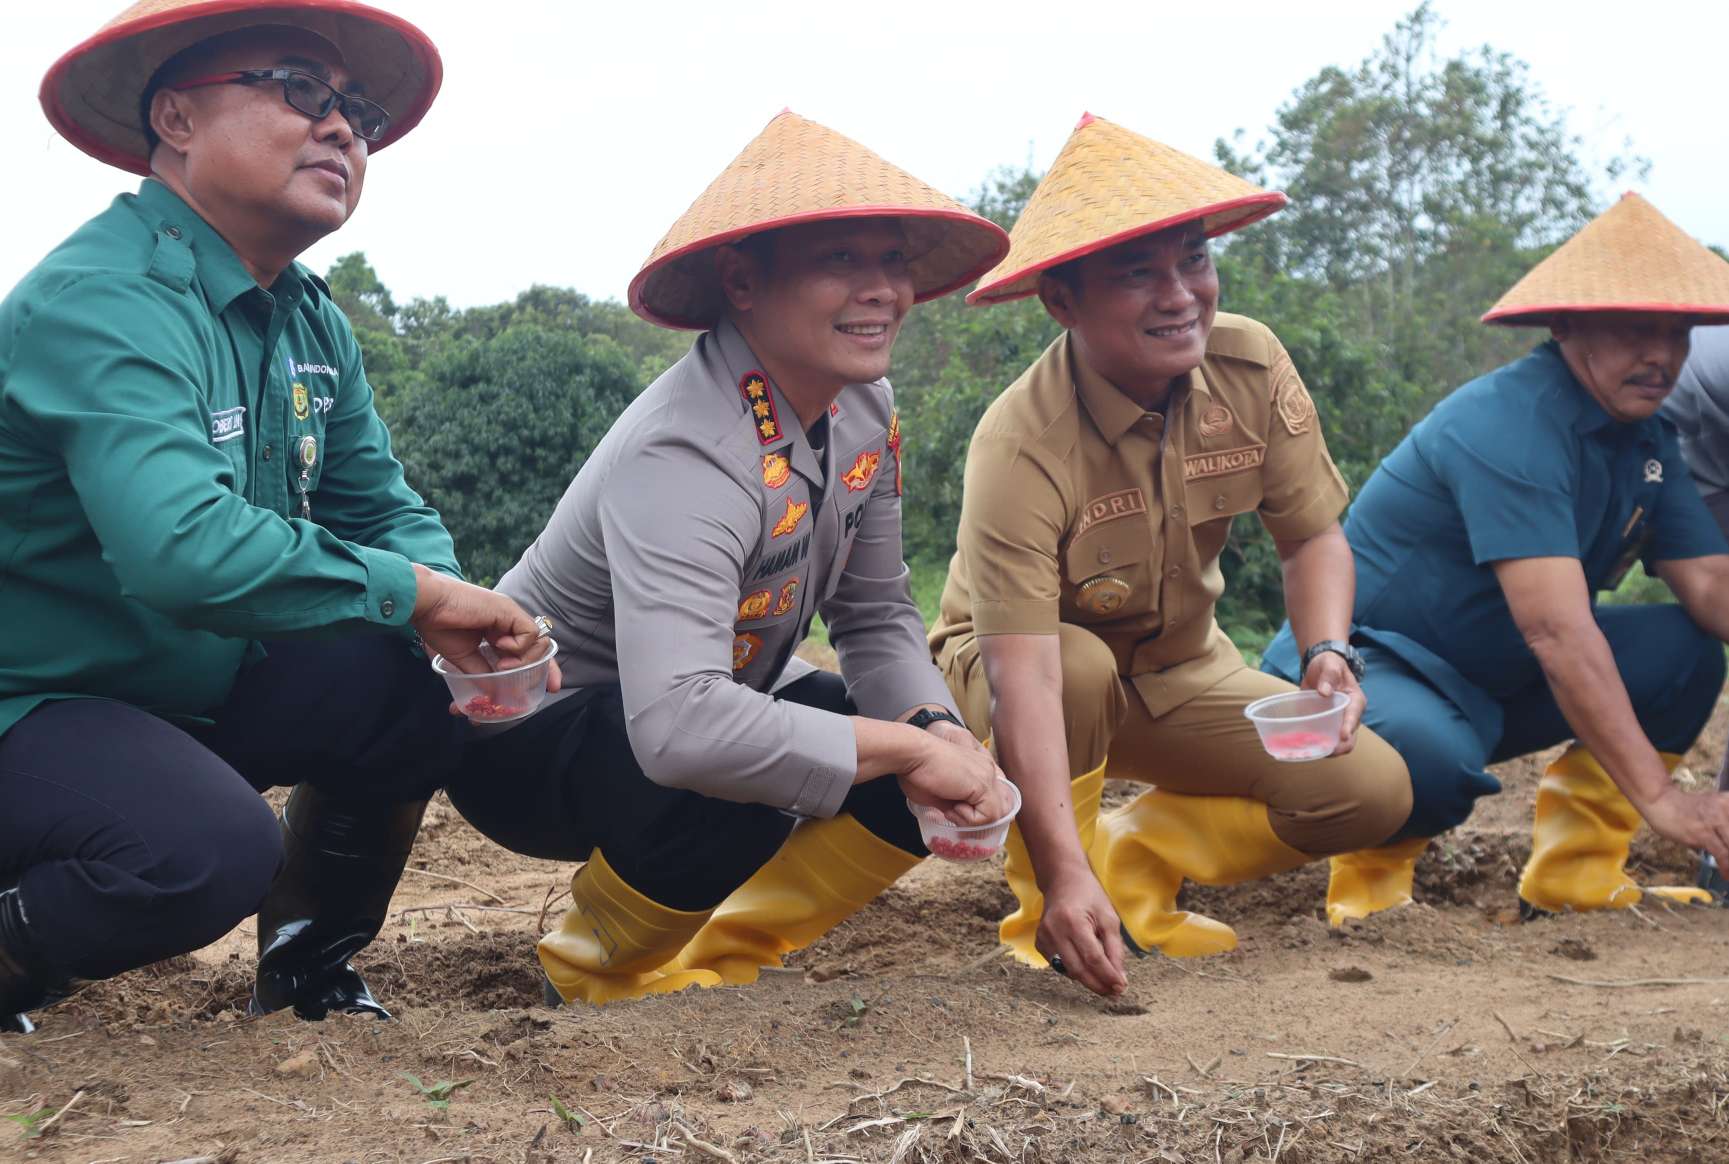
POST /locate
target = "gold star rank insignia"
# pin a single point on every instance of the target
(754, 388)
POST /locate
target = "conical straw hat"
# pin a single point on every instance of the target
(1110, 185)
(797, 171)
(1629, 258)
(93, 93)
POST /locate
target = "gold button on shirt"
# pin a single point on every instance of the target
(1082, 508)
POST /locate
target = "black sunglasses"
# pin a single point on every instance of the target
(308, 94)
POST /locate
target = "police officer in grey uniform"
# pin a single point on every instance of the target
(753, 486)
(1699, 408)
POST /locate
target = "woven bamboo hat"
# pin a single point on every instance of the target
(1629, 258)
(797, 171)
(1110, 185)
(93, 93)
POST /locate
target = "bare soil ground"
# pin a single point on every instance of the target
(1444, 1031)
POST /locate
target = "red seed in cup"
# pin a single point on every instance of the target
(484, 707)
(1299, 745)
(953, 849)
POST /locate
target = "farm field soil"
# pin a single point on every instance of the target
(1443, 1031)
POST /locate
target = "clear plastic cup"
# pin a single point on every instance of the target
(953, 842)
(498, 696)
(1298, 725)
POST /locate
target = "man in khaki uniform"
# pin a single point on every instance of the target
(1078, 621)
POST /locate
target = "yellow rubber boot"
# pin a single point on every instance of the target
(1371, 880)
(827, 871)
(613, 938)
(1145, 849)
(1018, 929)
(1580, 839)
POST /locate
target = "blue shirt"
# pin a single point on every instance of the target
(1520, 463)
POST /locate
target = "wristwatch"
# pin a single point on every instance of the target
(924, 717)
(1340, 648)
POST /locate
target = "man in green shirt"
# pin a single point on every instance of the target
(194, 486)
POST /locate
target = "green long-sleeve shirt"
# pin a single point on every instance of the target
(155, 409)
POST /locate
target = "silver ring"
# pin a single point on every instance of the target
(544, 625)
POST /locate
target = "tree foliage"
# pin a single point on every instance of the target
(1422, 188)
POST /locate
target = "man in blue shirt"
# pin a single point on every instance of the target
(1480, 544)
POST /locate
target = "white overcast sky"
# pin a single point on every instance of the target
(569, 135)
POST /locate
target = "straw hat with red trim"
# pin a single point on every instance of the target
(1629, 258)
(1110, 185)
(797, 171)
(93, 93)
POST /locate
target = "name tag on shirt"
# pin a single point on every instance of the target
(227, 424)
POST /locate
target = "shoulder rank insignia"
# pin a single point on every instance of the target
(894, 443)
(795, 511)
(754, 606)
(776, 470)
(863, 469)
(788, 596)
(744, 650)
(755, 391)
(1104, 594)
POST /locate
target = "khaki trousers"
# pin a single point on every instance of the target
(1205, 747)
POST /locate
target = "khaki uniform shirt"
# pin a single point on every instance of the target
(1082, 508)
(687, 559)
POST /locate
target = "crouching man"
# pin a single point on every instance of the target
(1077, 624)
(753, 486)
(1482, 542)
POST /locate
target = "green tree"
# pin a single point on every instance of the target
(500, 425)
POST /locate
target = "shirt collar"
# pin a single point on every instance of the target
(741, 364)
(1588, 416)
(220, 272)
(1113, 411)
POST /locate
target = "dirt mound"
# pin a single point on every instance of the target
(1443, 1031)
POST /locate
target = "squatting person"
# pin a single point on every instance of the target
(1077, 623)
(1482, 542)
(211, 568)
(753, 486)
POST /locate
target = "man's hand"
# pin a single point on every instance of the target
(960, 778)
(1699, 820)
(1080, 927)
(453, 618)
(1328, 673)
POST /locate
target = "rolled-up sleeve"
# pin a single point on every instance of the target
(873, 623)
(107, 374)
(678, 528)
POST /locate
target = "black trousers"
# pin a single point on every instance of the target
(566, 783)
(131, 840)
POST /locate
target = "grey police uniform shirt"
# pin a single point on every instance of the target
(687, 558)
(1699, 408)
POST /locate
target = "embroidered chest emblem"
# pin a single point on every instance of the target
(788, 596)
(302, 402)
(755, 391)
(794, 513)
(1215, 421)
(1653, 472)
(776, 470)
(745, 648)
(863, 469)
(755, 606)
